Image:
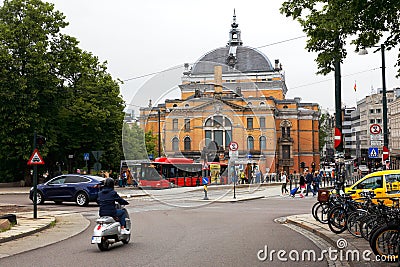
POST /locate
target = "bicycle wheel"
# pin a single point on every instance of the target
(337, 220)
(368, 223)
(353, 222)
(321, 213)
(313, 209)
(385, 242)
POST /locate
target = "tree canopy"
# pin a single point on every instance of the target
(50, 86)
(329, 25)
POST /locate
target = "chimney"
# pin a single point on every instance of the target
(218, 79)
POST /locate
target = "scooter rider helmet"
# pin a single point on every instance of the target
(109, 182)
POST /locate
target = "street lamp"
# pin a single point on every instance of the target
(384, 99)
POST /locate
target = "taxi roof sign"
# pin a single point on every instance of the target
(35, 158)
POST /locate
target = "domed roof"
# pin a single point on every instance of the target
(245, 59)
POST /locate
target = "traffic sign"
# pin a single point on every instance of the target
(97, 154)
(385, 153)
(85, 156)
(375, 129)
(35, 158)
(338, 137)
(233, 146)
(205, 180)
(373, 152)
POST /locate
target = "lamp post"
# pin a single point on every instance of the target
(159, 132)
(384, 99)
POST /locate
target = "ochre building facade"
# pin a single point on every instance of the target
(234, 94)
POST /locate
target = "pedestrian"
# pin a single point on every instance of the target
(124, 178)
(284, 180)
(302, 185)
(316, 182)
(309, 180)
(258, 176)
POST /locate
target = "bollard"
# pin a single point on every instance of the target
(205, 193)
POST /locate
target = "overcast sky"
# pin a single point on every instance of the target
(137, 38)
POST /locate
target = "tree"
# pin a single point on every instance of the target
(329, 25)
(151, 143)
(50, 86)
(133, 140)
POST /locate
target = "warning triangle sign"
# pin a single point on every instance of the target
(36, 159)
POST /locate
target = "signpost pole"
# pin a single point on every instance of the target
(34, 181)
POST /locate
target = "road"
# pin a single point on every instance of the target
(218, 234)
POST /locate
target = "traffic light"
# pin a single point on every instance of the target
(302, 165)
(313, 166)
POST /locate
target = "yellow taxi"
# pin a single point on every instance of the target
(385, 184)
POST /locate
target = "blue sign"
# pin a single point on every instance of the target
(373, 153)
(86, 156)
(205, 180)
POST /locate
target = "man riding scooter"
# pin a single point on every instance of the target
(107, 198)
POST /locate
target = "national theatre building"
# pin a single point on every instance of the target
(235, 95)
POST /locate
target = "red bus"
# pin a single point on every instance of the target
(166, 172)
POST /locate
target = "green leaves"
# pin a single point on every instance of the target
(326, 21)
(49, 85)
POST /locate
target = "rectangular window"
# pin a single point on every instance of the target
(262, 122)
(250, 123)
(175, 124)
(187, 125)
(371, 121)
(228, 138)
(208, 137)
(218, 138)
(378, 121)
(378, 110)
(286, 152)
(371, 111)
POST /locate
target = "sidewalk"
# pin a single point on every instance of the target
(56, 226)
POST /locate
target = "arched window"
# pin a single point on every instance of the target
(175, 144)
(250, 143)
(187, 142)
(263, 143)
(218, 128)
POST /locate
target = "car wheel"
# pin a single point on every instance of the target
(39, 198)
(82, 199)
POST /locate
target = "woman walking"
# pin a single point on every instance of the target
(284, 180)
(302, 184)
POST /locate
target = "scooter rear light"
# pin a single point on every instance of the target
(99, 227)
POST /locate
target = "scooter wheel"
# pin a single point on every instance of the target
(104, 245)
(126, 239)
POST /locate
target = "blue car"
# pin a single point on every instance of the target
(78, 188)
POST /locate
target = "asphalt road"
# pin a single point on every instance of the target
(220, 234)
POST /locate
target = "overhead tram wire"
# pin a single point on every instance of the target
(330, 79)
(177, 67)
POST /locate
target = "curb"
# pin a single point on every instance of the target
(27, 233)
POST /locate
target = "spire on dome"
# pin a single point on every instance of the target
(234, 34)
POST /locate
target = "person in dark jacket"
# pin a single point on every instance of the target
(309, 180)
(107, 198)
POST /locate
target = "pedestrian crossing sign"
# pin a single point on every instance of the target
(35, 159)
(373, 152)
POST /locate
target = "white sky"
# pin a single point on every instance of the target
(142, 37)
